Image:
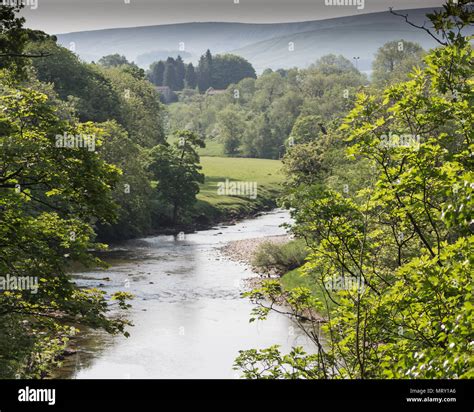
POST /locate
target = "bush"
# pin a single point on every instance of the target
(271, 257)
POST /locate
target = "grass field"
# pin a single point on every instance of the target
(213, 147)
(265, 173)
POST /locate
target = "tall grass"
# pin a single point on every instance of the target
(280, 258)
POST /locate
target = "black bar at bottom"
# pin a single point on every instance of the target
(16, 395)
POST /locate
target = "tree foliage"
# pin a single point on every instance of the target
(273, 107)
(82, 84)
(48, 197)
(177, 170)
(230, 69)
(394, 61)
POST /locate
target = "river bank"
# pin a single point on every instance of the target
(243, 251)
(214, 206)
(217, 216)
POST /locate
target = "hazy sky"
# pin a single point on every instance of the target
(60, 16)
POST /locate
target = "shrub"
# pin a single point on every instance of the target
(280, 258)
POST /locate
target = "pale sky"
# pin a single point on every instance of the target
(62, 16)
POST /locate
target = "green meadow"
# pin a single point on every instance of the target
(265, 173)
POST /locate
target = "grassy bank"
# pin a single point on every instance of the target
(274, 256)
(296, 278)
(288, 257)
(215, 207)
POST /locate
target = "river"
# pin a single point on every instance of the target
(189, 318)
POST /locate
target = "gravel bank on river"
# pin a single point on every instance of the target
(242, 251)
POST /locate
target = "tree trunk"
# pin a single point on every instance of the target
(175, 212)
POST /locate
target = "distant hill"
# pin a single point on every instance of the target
(355, 36)
(196, 37)
(264, 45)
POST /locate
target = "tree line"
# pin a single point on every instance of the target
(212, 71)
(262, 117)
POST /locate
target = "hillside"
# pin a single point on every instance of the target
(265, 45)
(358, 36)
(197, 38)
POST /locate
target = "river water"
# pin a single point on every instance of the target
(189, 318)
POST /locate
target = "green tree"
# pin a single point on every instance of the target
(230, 123)
(246, 90)
(82, 84)
(329, 87)
(190, 78)
(169, 76)
(113, 60)
(13, 39)
(228, 69)
(180, 73)
(185, 116)
(205, 71)
(133, 191)
(306, 129)
(283, 113)
(395, 60)
(332, 64)
(139, 107)
(49, 193)
(268, 87)
(157, 71)
(177, 169)
(305, 163)
(263, 142)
